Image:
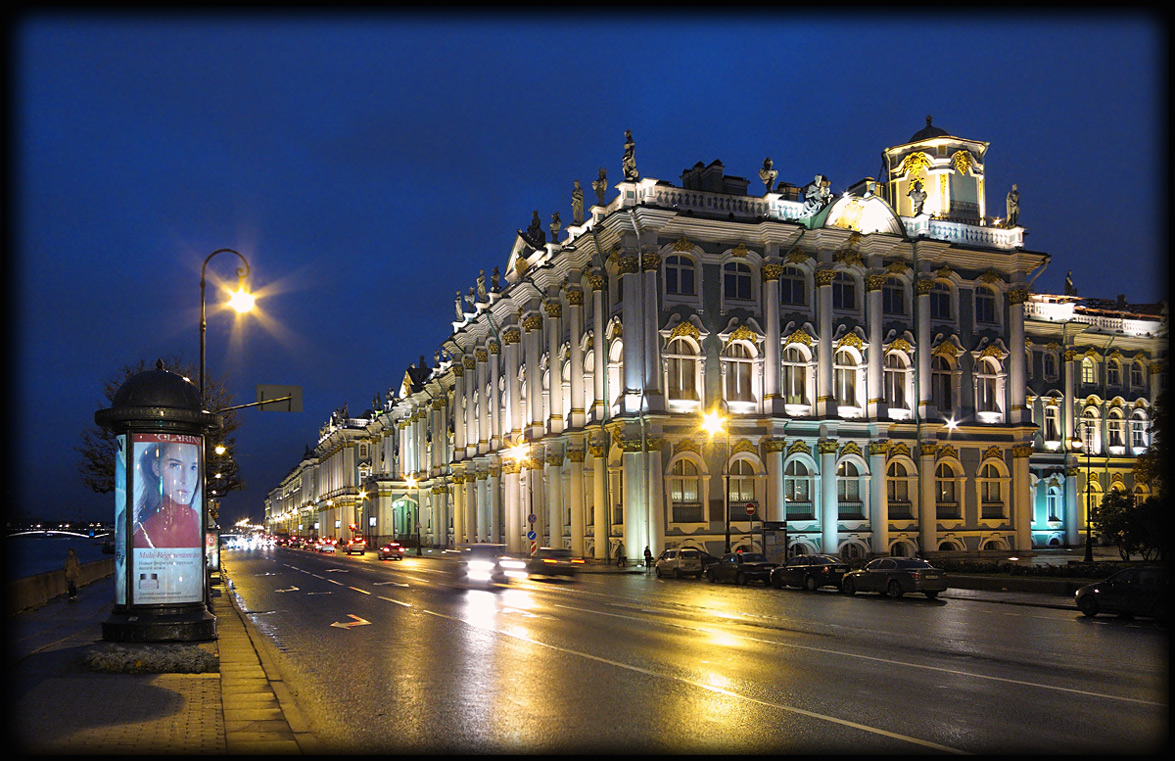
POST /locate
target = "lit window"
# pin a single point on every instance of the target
(895, 380)
(681, 361)
(739, 371)
(795, 376)
(845, 370)
(942, 384)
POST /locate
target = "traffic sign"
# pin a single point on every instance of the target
(750, 508)
(531, 518)
(531, 535)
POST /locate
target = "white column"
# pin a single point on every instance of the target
(511, 337)
(471, 506)
(577, 415)
(878, 498)
(575, 458)
(1017, 372)
(873, 319)
(459, 508)
(1021, 497)
(656, 495)
(471, 433)
(554, 463)
(599, 350)
(515, 518)
(633, 337)
(600, 509)
(922, 355)
(650, 338)
(482, 511)
(829, 508)
(772, 402)
(927, 502)
(774, 509)
(555, 366)
(825, 403)
(483, 407)
(532, 347)
(494, 503)
(458, 410)
(495, 403)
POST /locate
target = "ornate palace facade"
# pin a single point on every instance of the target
(877, 371)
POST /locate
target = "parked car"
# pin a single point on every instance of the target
(552, 561)
(686, 561)
(895, 577)
(741, 568)
(390, 551)
(810, 572)
(358, 544)
(1131, 591)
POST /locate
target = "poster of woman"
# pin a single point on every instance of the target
(168, 540)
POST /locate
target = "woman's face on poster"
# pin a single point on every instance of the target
(178, 468)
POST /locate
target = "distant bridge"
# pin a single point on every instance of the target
(60, 532)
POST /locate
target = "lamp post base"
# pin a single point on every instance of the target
(193, 624)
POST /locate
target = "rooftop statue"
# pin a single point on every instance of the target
(534, 234)
(1013, 207)
(917, 196)
(601, 186)
(494, 278)
(577, 204)
(460, 311)
(481, 285)
(629, 161)
(767, 174)
(817, 194)
(556, 226)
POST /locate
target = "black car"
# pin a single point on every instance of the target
(895, 577)
(810, 572)
(552, 561)
(740, 567)
(1131, 591)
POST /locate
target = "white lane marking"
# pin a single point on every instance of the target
(827, 651)
(398, 602)
(712, 688)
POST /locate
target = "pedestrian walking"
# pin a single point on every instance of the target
(73, 569)
(648, 559)
(619, 556)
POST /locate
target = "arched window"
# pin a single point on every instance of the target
(797, 490)
(739, 359)
(793, 287)
(897, 490)
(1052, 423)
(679, 276)
(681, 361)
(1088, 371)
(685, 492)
(845, 370)
(844, 292)
(987, 398)
(1116, 428)
(991, 492)
(985, 313)
(946, 491)
(741, 486)
(1053, 504)
(1138, 437)
(893, 296)
(895, 374)
(940, 301)
(848, 491)
(795, 375)
(736, 282)
(1137, 376)
(1050, 364)
(1089, 431)
(1114, 373)
(942, 385)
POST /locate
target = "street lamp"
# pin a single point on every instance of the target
(241, 300)
(520, 453)
(713, 423)
(415, 484)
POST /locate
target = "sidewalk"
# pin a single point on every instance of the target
(59, 706)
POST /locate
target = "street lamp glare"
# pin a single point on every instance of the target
(713, 423)
(242, 301)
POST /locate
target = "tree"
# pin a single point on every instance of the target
(1133, 527)
(1151, 466)
(221, 473)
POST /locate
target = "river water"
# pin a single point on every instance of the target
(31, 554)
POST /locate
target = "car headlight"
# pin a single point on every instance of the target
(513, 564)
(483, 566)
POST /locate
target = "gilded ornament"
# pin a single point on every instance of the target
(896, 268)
(482, 355)
(874, 282)
(962, 162)
(742, 333)
(554, 309)
(533, 322)
(650, 262)
(992, 452)
(684, 328)
(683, 244)
(799, 336)
(879, 447)
(927, 448)
(742, 445)
(575, 297)
(772, 272)
(989, 277)
(685, 445)
(1020, 451)
(923, 286)
(628, 265)
(914, 166)
(824, 277)
(849, 339)
(596, 280)
(798, 446)
(945, 349)
(739, 251)
(774, 445)
(576, 455)
(946, 450)
(850, 448)
(469, 363)
(826, 447)
(511, 336)
(796, 257)
(901, 344)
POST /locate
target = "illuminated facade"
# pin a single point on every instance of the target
(871, 356)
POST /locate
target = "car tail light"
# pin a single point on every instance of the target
(825, 569)
(576, 561)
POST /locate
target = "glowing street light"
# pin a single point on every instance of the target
(242, 301)
(713, 424)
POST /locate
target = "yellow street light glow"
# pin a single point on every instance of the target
(411, 480)
(713, 423)
(242, 301)
(519, 452)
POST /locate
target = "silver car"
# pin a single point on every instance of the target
(677, 563)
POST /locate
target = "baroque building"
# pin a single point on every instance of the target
(693, 364)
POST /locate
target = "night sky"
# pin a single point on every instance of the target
(368, 166)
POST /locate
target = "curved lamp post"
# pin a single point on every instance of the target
(241, 300)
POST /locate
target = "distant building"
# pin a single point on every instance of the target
(884, 381)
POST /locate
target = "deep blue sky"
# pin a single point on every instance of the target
(369, 165)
